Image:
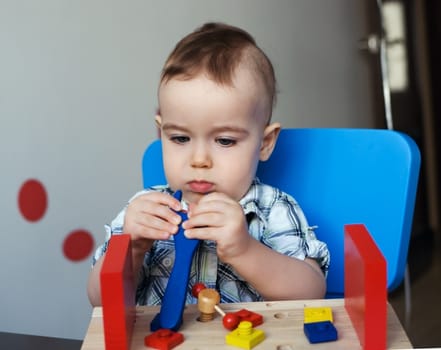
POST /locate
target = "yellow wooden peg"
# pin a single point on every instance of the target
(245, 336)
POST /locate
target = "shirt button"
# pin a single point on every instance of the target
(167, 262)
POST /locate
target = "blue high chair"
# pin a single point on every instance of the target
(341, 176)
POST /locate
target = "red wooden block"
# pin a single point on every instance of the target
(246, 315)
(365, 287)
(118, 294)
(163, 339)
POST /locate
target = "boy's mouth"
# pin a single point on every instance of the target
(201, 186)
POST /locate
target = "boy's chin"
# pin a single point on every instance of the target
(192, 197)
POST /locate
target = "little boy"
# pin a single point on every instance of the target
(216, 95)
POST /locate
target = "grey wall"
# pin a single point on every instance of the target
(77, 96)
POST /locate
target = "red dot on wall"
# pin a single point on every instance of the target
(32, 200)
(78, 245)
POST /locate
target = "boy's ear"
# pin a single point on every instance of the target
(158, 122)
(270, 135)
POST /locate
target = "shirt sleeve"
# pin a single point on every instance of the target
(288, 232)
(115, 227)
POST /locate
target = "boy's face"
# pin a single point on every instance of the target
(214, 135)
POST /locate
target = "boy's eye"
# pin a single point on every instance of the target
(180, 139)
(225, 141)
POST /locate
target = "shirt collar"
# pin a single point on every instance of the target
(250, 202)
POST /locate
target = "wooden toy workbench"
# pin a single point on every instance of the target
(282, 324)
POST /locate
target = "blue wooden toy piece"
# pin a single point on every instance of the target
(173, 302)
(318, 332)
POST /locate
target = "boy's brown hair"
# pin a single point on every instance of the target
(217, 49)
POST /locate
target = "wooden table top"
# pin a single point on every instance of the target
(283, 327)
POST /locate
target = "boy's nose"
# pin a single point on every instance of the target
(201, 157)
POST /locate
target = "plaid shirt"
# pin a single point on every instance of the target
(274, 218)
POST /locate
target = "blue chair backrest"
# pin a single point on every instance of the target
(341, 176)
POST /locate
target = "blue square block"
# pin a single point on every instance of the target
(318, 332)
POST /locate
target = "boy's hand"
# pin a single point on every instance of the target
(150, 217)
(219, 218)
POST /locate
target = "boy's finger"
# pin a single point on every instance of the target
(166, 199)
